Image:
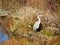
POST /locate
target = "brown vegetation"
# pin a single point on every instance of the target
(21, 15)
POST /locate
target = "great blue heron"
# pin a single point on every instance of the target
(37, 25)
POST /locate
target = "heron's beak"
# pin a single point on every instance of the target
(40, 15)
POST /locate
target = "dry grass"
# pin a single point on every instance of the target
(27, 17)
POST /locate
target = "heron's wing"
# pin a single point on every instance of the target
(36, 25)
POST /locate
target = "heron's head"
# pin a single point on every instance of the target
(39, 16)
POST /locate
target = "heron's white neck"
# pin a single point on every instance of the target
(39, 20)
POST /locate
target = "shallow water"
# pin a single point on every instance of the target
(3, 37)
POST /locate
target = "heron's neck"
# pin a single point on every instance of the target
(39, 20)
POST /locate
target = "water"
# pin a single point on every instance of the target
(3, 37)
